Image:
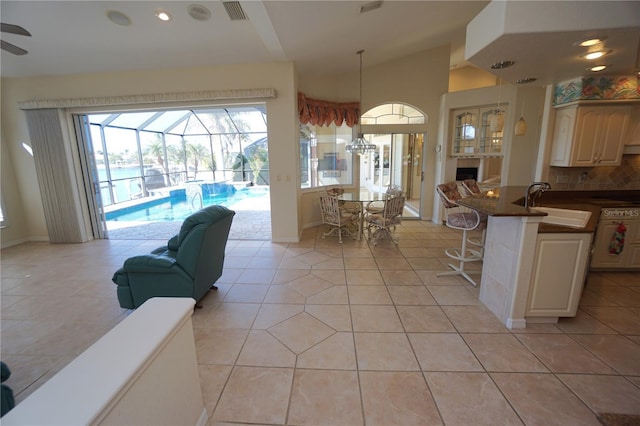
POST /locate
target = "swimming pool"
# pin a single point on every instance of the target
(181, 203)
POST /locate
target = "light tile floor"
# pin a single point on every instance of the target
(322, 333)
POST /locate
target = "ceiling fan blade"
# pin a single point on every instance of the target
(14, 29)
(11, 48)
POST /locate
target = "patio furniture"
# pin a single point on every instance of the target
(188, 266)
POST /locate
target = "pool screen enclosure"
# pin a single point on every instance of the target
(131, 157)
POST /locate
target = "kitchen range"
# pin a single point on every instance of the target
(617, 241)
(616, 245)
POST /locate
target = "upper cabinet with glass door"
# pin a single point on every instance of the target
(472, 135)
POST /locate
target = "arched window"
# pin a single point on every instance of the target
(393, 113)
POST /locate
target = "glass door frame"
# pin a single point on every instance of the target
(398, 151)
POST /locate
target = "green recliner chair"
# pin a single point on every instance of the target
(187, 266)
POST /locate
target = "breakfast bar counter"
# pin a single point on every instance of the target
(509, 200)
(526, 263)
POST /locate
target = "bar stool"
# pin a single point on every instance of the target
(465, 220)
(472, 188)
(471, 185)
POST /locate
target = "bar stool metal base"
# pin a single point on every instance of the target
(461, 256)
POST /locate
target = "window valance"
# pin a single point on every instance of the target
(323, 113)
(205, 95)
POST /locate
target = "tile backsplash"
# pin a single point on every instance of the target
(624, 176)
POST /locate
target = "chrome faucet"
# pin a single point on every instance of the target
(541, 187)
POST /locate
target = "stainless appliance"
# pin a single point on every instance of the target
(628, 254)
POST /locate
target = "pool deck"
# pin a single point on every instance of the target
(246, 225)
(251, 222)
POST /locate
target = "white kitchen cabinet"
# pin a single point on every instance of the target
(558, 274)
(471, 133)
(633, 136)
(587, 136)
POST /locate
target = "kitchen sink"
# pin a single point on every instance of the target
(564, 217)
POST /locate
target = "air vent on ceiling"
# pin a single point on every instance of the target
(372, 5)
(234, 10)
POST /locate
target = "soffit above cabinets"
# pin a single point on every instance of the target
(541, 38)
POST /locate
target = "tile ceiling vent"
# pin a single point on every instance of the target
(234, 10)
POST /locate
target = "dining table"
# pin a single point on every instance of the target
(362, 196)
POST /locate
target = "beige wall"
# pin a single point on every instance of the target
(25, 203)
(12, 203)
(469, 77)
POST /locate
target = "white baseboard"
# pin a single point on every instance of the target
(516, 323)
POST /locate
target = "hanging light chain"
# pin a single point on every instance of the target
(360, 145)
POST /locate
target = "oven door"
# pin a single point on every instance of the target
(628, 258)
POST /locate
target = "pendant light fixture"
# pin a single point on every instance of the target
(360, 145)
(521, 125)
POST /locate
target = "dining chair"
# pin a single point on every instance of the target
(459, 218)
(339, 220)
(385, 222)
(374, 207)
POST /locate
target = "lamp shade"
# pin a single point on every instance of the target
(521, 127)
(496, 123)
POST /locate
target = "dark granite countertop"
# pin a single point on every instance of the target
(507, 201)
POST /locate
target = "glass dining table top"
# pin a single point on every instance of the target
(362, 195)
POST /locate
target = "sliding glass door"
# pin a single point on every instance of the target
(90, 178)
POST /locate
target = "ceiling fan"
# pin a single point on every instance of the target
(13, 29)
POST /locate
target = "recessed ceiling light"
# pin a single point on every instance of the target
(590, 42)
(118, 18)
(526, 80)
(597, 54)
(501, 65)
(597, 68)
(163, 15)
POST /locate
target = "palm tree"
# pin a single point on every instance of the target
(259, 157)
(156, 151)
(195, 152)
(239, 166)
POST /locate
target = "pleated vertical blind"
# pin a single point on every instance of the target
(54, 170)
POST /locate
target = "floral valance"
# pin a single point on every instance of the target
(323, 113)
